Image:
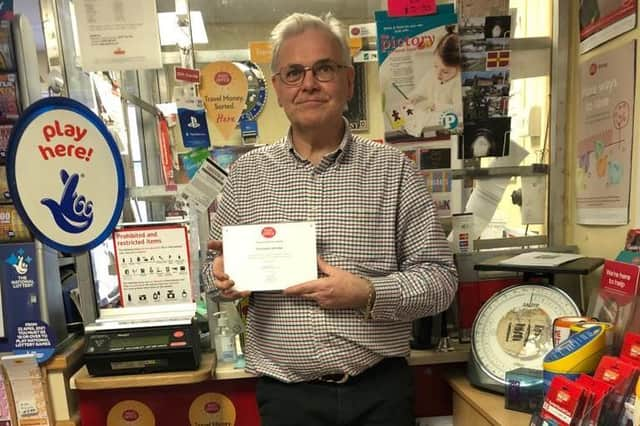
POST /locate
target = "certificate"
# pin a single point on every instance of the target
(270, 256)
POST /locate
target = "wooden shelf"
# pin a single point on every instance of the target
(490, 172)
(460, 353)
(83, 381)
(69, 356)
(479, 407)
(225, 371)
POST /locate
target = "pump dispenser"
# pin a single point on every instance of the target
(225, 339)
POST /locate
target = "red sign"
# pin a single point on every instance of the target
(619, 277)
(411, 7)
(187, 74)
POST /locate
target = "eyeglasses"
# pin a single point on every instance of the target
(323, 71)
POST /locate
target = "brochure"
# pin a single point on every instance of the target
(420, 75)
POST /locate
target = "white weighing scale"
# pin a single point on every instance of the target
(513, 329)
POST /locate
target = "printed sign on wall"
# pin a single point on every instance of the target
(153, 265)
(65, 174)
(604, 136)
(118, 35)
(224, 91)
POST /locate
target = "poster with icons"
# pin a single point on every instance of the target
(153, 265)
(604, 136)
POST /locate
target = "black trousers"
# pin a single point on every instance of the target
(383, 395)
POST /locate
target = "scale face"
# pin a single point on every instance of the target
(514, 329)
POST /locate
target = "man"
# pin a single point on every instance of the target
(332, 351)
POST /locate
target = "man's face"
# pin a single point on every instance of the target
(313, 104)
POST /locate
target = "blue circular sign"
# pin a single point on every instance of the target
(65, 174)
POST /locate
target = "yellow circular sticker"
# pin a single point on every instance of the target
(212, 408)
(130, 413)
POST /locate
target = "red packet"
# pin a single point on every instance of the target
(411, 7)
(621, 376)
(630, 351)
(600, 390)
(564, 402)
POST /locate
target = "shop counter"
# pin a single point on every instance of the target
(83, 381)
(221, 394)
(472, 406)
(226, 370)
(58, 370)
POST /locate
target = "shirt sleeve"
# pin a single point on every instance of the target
(226, 212)
(427, 279)
(224, 215)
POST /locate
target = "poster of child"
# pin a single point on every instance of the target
(420, 75)
(442, 93)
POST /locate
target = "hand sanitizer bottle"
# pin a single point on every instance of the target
(225, 340)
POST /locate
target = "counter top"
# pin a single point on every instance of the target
(487, 404)
(226, 370)
(461, 353)
(83, 381)
(209, 368)
(68, 357)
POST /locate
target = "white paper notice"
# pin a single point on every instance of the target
(118, 34)
(205, 186)
(153, 265)
(270, 256)
(534, 197)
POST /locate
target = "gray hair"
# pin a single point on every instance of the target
(297, 23)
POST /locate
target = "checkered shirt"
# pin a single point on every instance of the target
(374, 218)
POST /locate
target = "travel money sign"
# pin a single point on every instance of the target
(224, 91)
(65, 174)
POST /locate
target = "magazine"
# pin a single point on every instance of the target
(420, 75)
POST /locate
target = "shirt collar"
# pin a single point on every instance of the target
(336, 155)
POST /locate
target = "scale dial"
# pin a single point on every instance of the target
(514, 328)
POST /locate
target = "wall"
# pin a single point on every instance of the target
(597, 241)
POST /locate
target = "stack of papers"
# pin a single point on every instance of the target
(540, 258)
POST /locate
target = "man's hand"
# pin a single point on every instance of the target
(338, 290)
(220, 279)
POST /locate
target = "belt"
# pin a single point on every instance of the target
(338, 379)
(342, 378)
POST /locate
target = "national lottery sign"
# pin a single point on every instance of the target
(65, 174)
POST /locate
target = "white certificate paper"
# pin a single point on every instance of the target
(270, 256)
